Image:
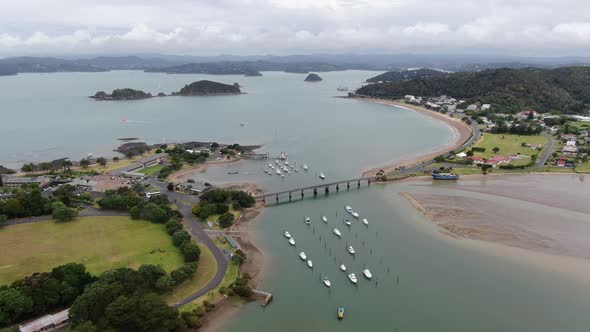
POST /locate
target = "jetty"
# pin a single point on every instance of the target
(325, 186)
(267, 297)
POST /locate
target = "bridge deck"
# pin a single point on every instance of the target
(323, 185)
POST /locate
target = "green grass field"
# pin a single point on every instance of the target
(101, 243)
(508, 144)
(149, 171)
(579, 125)
(583, 168)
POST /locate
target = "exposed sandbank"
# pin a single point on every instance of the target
(523, 219)
(461, 130)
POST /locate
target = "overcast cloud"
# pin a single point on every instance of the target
(207, 27)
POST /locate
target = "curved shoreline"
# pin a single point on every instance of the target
(462, 132)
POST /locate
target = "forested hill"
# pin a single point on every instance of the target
(561, 90)
(204, 87)
(399, 76)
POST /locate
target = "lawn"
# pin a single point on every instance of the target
(101, 243)
(508, 144)
(583, 168)
(215, 218)
(149, 171)
(205, 272)
(579, 125)
(230, 276)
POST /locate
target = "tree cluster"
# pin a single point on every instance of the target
(42, 292)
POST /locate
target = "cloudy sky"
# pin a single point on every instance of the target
(208, 27)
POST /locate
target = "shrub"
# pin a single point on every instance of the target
(226, 220)
(191, 252)
(221, 208)
(478, 149)
(179, 238)
(173, 225)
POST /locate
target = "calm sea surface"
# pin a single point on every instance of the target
(421, 280)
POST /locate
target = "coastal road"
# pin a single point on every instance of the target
(184, 203)
(546, 152)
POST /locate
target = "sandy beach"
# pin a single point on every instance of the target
(183, 175)
(524, 211)
(461, 130)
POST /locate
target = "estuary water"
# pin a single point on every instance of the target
(421, 281)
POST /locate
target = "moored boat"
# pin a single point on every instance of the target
(356, 215)
(292, 241)
(365, 221)
(367, 273)
(287, 235)
(327, 282)
(309, 263)
(325, 219)
(337, 232)
(347, 222)
(308, 220)
(351, 250)
(444, 176)
(348, 209)
(340, 313)
(343, 267)
(322, 176)
(305, 167)
(352, 278)
(303, 256)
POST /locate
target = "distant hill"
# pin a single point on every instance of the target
(399, 76)
(562, 90)
(45, 65)
(122, 94)
(203, 88)
(313, 78)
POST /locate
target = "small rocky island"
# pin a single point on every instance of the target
(206, 88)
(122, 94)
(313, 78)
(253, 73)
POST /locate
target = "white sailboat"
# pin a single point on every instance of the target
(292, 241)
(308, 220)
(309, 263)
(348, 209)
(365, 221)
(287, 235)
(367, 273)
(347, 222)
(325, 219)
(303, 256)
(356, 215)
(327, 282)
(343, 267)
(351, 250)
(322, 176)
(352, 278)
(337, 232)
(305, 167)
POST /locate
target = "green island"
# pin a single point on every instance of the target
(122, 94)
(313, 78)
(205, 87)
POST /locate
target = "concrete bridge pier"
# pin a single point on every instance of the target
(347, 185)
(327, 190)
(368, 182)
(289, 195)
(277, 198)
(315, 191)
(358, 184)
(337, 189)
(302, 194)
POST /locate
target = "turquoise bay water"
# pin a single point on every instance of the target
(442, 285)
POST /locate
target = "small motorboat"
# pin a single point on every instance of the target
(348, 209)
(305, 167)
(322, 176)
(277, 161)
(352, 278)
(327, 282)
(347, 222)
(309, 263)
(270, 165)
(343, 267)
(356, 215)
(296, 170)
(337, 232)
(308, 220)
(340, 312)
(365, 221)
(292, 241)
(287, 235)
(286, 163)
(283, 175)
(351, 250)
(325, 219)
(278, 172)
(367, 273)
(303, 256)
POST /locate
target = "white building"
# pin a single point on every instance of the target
(485, 107)
(46, 323)
(472, 108)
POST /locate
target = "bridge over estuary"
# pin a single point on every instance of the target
(326, 187)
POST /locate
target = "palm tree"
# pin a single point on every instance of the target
(84, 163)
(28, 168)
(101, 161)
(116, 159)
(66, 164)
